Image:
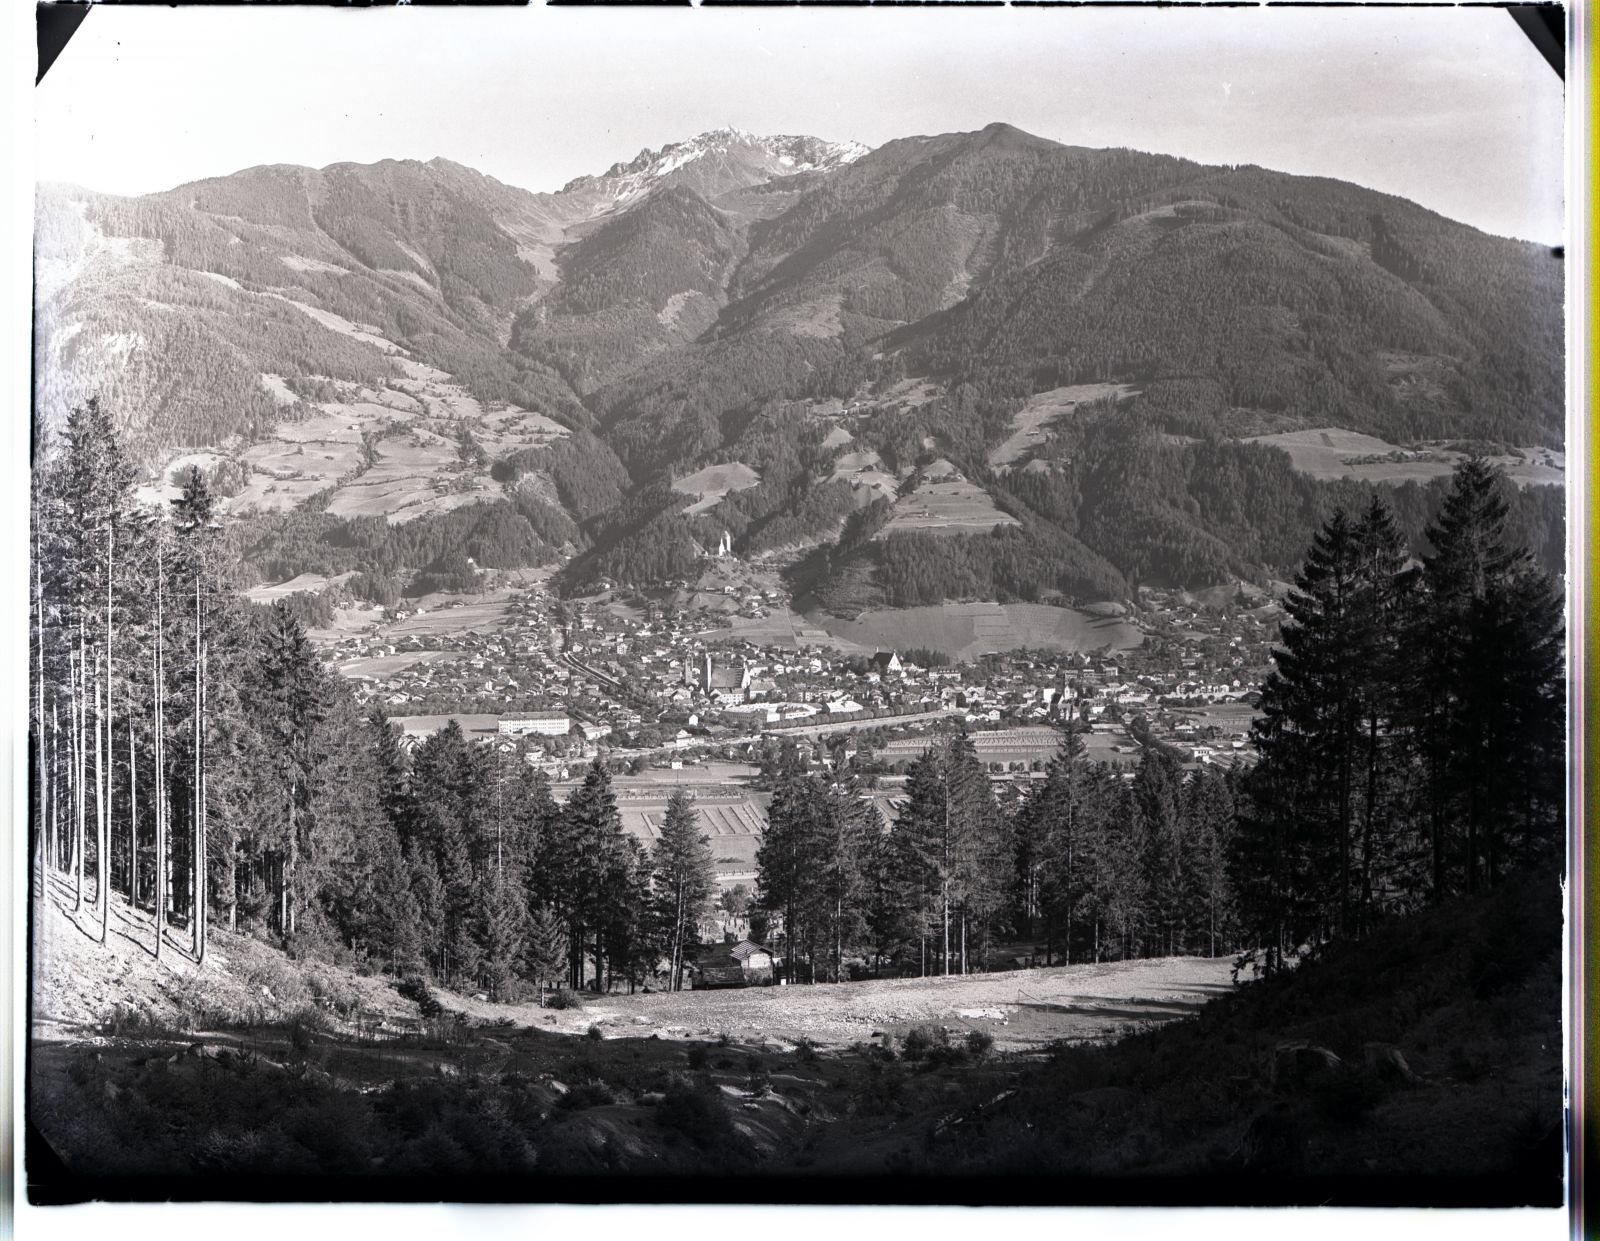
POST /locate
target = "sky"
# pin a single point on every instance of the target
(1450, 107)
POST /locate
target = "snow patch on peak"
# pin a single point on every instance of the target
(725, 158)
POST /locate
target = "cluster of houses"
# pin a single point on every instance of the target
(571, 679)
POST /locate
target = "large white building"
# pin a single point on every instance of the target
(537, 723)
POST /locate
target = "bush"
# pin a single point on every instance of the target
(920, 1040)
(563, 1000)
(302, 1026)
(979, 1044)
(331, 992)
(416, 989)
(131, 1021)
(699, 1115)
(586, 1094)
(1346, 1098)
(946, 1055)
(594, 1034)
(698, 1056)
(805, 1051)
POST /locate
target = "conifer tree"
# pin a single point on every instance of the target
(1489, 650)
(591, 837)
(1310, 736)
(685, 877)
(502, 933)
(789, 864)
(1060, 850)
(916, 853)
(1208, 814)
(1157, 792)
(544, 955)
(289, 700)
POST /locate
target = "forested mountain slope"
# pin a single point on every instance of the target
(836, 320)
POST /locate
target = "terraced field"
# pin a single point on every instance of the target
(945, 502)
(395, 451)
(866, 470)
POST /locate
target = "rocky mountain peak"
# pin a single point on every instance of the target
(713, 163)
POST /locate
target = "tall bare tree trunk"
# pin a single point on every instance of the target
(944, 879)
(55, 804)
(198, 858)
(133, 812)
(110, 754)
(205, 852)
(944, 901)
(161, 769)
(102, 831)
(294, 858)
(80, 772)
(39, 734)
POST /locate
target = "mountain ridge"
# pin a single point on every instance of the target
(754, 299)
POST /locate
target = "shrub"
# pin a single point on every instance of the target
(302, 1026)
(919, 1040)
(586, 1094)
(563, 1000)
(698, 1056)
(416, 989)
(945, 1054)
(1346, 1098)
(131, 1021)
(805, 1051)
(979, 1044)
(594, 1034)
(332, 992)
(699, 1115)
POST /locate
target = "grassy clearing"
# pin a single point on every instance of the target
(945, 502)
(1029, 424)
(715, 481)
(1330, 452)
(966, 630)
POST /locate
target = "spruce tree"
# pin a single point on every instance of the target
(590, 832)
(1157, 793)
(544, 954)
(502, 934)
(1310, 736)
(1054, 816)
(685, 877)
(288, 698)
(1488, 647)
(789, 864)
(1208, 814)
